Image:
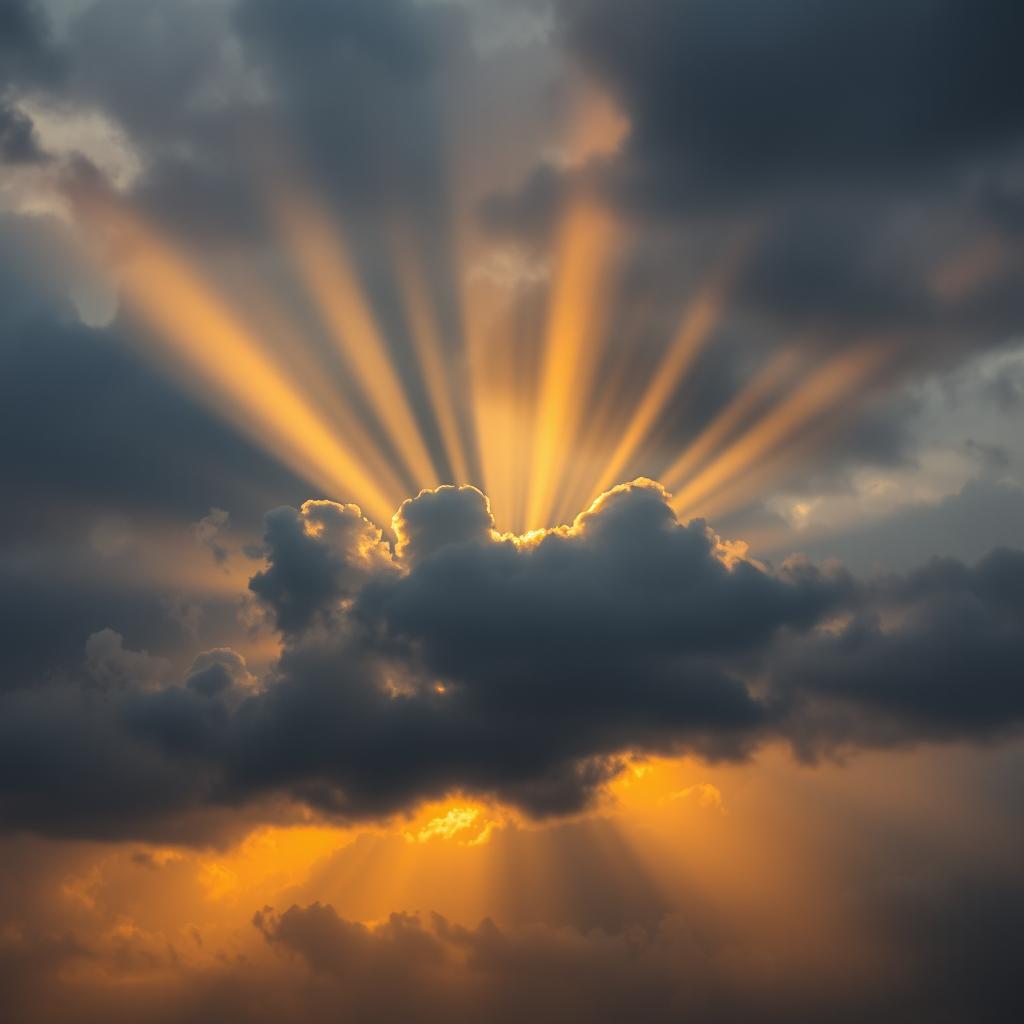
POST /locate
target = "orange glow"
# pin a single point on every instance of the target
(322, 258)
(268, 859)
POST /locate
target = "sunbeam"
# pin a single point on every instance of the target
(702, 313)
(425, 331)
(837, 380)
(212, 347)
(743, 405)
(321, 257)
(571, 349)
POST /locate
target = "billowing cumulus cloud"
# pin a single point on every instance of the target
(522, 670)
(318, 556)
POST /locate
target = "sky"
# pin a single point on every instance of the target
(511, 510)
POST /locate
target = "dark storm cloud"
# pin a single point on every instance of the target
(738, 100)
(549, 655)
(524, 673)
(949, 665)
(746, 94)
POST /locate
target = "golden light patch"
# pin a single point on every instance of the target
(467, 824)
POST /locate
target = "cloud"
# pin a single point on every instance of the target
(437, 518)
(110, 664)
(949, 666)
(19, 143)
(946, 943)
(208, 530)
(737, 94)
(966, 524)
(218, 672)
(885, 198)
(523, 671)
(318, 556)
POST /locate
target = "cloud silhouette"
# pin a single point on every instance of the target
(522, 670)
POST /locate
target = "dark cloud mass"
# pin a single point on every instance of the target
(741, 92)
(521, 671)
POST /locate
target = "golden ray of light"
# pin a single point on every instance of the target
(701, 316)
(326, 269)
(285, 337)
(732, 417)
(500, 393)
(426, 337)
(833, 382)
(571, 349)
(603, 429)
(775, 466)
(214, 347)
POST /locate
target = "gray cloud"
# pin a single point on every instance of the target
(19, 143)
(738, 94)
(523, 673)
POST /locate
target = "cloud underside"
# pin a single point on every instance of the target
(522, 671)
